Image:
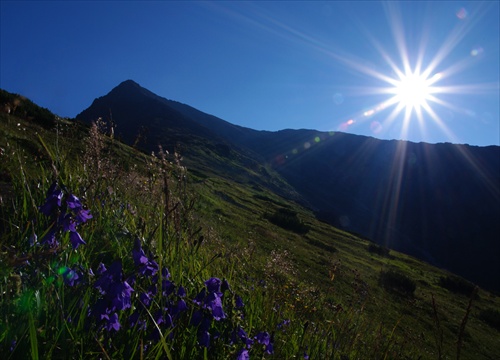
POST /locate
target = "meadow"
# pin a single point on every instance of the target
(108, 252)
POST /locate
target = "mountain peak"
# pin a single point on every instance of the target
(128, 84)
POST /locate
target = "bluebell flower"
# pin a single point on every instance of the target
(168, 287)
(265, 339)
(135, 320)
(214, 303)
(82, 216)
(112, 323)
(146, 266)
(198, 300)
(239, 302)
(196, 318)
(75, 239)
(213, 284)
(204, 338)
(52, 201)
(145, 299)
(181, 292)
(120, 294)
(74, 202)
(244, 337)
(101, 269)
(243, 355)
(50, 239)
(72, 277)
(203, 334)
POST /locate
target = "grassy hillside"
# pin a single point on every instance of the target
(308, 288)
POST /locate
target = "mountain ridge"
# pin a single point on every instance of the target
(438, 202)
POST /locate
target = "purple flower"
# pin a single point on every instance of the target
(198, 300)
(53, 200)
(285, 322)
(263, 338)
(168, 287)
(67, 222)
(243, 355)
(244, 337)
(181, 292)
(112, 323)
(145, 299)
(101, 269)
(214, 302)
(239, 302)
(204, 338)
(82, 216)
(213, 284)
(196, 318)
(146, 267)
(74, 202)
(50, 239)
(138, 254)
(134, 320)
(121, 295)
(71, 277)
(76, 239)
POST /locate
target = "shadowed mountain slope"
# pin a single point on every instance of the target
(439, 202)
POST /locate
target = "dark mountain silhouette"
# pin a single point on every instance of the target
(438, 202)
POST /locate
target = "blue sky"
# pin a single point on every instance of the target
(331, 66)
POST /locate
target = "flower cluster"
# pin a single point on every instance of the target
(116, 296)
(67, 215)
(146, 299)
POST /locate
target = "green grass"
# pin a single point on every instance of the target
(201, 224)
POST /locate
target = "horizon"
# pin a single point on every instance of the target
(325, 66)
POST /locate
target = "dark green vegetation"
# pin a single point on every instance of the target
(211, 222)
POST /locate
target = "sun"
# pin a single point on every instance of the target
(412, 90)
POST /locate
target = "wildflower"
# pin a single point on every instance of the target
(145, 299)
(76, 239)
(213, 284)
(204, 338)
(82, 216)
(265, 339)
(203, 334)
(243, 355)
(120, 294)
(72, 277)
(53, 200)
(239, 302)
(214, 302)
(134, 320)
(74, 202)
(284, 323)
(50, 239)
(146, 267)
(112, 323)
(199, 298)
(196, 318)
(181, 292)
(244, 338)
